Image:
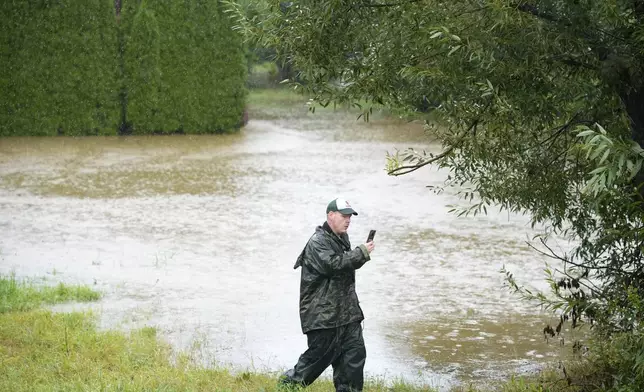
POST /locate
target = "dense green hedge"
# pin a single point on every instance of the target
(67, 67)
(185, 67)
(58, 67)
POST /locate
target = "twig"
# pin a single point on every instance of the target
(595, 290)
(576, 63)
(559, 131)
(399, 171)
(382, 5)
(566, 260)
(410, 168)
(532, 10)
(552, 254)
(470, 11)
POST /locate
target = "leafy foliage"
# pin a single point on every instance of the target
(540, 108)
(615, 363)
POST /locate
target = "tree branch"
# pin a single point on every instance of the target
(382, 5)
(555, 256)
(533, 10)
(399, 171)
(558, 131)
(470, 11)
(575, 63)
(595, 290)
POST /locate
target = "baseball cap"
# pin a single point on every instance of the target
(340, 205)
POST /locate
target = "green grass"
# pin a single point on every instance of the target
(45, 351)
(287, 96)
(272, 97)
(263, 75)
(285, 103)
(22, 295)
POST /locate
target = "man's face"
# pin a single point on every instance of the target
(338, 222)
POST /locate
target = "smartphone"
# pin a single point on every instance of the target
(372, 233)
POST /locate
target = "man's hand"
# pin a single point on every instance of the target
(370, 246)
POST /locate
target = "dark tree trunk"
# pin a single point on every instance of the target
(285, 71)
(634, 104)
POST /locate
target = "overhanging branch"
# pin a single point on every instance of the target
(382, 5)
(595, 290)
(533, 10)
(399, 171)
(575, 63)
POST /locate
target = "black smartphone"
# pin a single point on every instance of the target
(372, 233)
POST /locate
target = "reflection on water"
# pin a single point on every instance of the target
(197, 235)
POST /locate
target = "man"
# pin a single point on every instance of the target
(330, 313)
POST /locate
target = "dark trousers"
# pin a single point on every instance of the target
(343, 348)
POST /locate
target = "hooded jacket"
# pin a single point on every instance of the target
(328, 296)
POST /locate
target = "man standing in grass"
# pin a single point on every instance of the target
(330, 313)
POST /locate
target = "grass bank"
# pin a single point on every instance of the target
(284, 102)
(42, 350)
(45, 351)
(22, 295)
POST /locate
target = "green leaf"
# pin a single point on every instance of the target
(598, 150)
(604, 156)
(638, 167)
(611, 177)
(585, 133)
(595, 139)
(622, 160)
(635, 148)
(601, 129)
(598, 170)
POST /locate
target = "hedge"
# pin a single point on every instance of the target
(69, 67)
(58, 68)
(185, 65)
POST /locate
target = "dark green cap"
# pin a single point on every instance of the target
(340, 205)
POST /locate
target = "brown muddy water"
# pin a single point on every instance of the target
(197, 236)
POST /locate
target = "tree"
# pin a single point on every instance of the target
(540, 108)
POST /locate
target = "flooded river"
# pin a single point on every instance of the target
(197, 236)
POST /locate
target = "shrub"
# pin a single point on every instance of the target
(59, 68)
